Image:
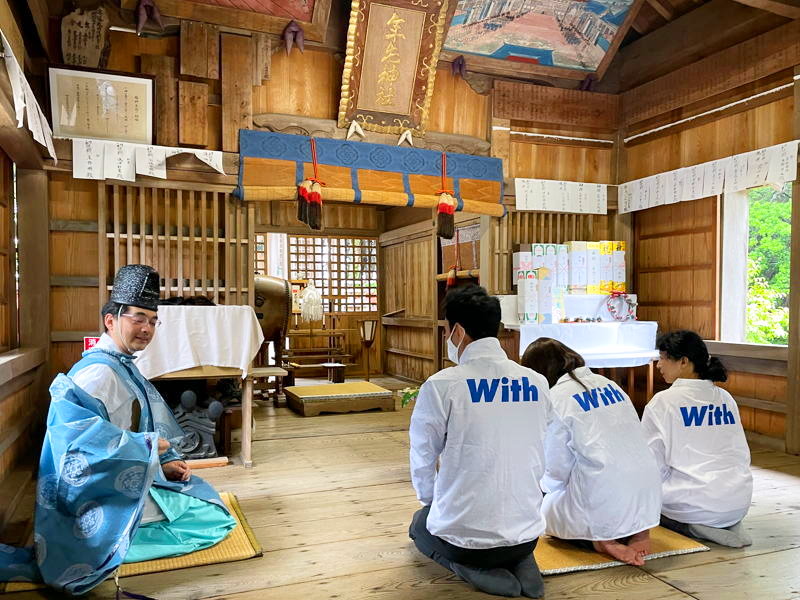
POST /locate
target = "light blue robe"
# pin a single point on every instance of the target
(93, 481)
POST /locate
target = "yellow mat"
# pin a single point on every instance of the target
(555, 556)
(337, 390)
(240, 544)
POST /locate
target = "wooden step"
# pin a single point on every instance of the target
(320, 356)
(312, 350)
(316, 333)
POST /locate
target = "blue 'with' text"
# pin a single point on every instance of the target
(514, 390)
(592, 398)
(697, 416)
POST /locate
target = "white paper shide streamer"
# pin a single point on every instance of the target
(774, 164)
(561, 196)
(101, 159)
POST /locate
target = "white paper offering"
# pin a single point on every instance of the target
(558, 196)
(695, 177)
(120, 161)
(758, 167)
(151, 161)
(212, 158)
(714, 177)
(736, 173)
(88, 159)
(783, 163)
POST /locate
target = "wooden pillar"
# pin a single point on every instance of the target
(34, 266)
(793, 365)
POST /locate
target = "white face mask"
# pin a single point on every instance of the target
(452, 349)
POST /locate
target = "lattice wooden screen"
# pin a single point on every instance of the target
(199, 240)
(529, 227)
(344, 269)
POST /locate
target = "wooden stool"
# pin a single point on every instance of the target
(335, 372)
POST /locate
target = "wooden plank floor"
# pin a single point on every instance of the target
(330, 500)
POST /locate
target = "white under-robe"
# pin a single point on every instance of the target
(601, 480)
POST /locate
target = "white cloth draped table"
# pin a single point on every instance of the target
(194, 336)
(602, 345)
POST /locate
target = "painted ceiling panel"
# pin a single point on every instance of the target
(574, 34)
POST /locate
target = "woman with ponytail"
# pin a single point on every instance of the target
(603, 487)
(696, 435)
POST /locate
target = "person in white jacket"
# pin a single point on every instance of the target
(483, 423)
(602, 484)
(696, 435)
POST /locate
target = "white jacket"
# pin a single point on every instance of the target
(484, 421)
(696, 434)
(601, 480)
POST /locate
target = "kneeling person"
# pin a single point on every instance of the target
(484, 422)
(601, 482)
(112, 487)
(696, 435)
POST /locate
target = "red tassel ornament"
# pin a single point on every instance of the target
(445, 216)
(446, 207)
(309, 195)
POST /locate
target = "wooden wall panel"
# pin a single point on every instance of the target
(72, 199)
(393, 284)
(675, 266)
(165, 119)
(565, 163)
(555, 106)
(17, 421)
(457, 108)
(193, 113)
(237, 88)
(742, 132)
(305, 84)
(73, 254)
(419, 269)
(127, 48)
(283, 215)
(760, 387)
(74, 309)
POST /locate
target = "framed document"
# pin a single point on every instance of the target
(87, 103)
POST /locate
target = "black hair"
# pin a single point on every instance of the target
(677, 344)
(112, 308)
(553, 359)
(476, 311)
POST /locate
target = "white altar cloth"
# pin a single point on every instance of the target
(602, 345)
(195, 336)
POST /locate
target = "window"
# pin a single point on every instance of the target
(755, 272)
(344, 269)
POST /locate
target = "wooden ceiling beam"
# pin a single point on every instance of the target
(710, 28)
(664, 9)
(785, 8)
(749, 61)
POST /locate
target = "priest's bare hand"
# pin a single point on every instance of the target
(163, 446)
(176, 470)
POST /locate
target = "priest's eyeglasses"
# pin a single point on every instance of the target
(141, 320)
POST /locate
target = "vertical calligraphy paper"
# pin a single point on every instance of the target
(87, 159)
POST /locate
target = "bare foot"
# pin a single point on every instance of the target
(619, 551)
(641, 542)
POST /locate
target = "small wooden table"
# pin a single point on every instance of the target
(209, 372)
